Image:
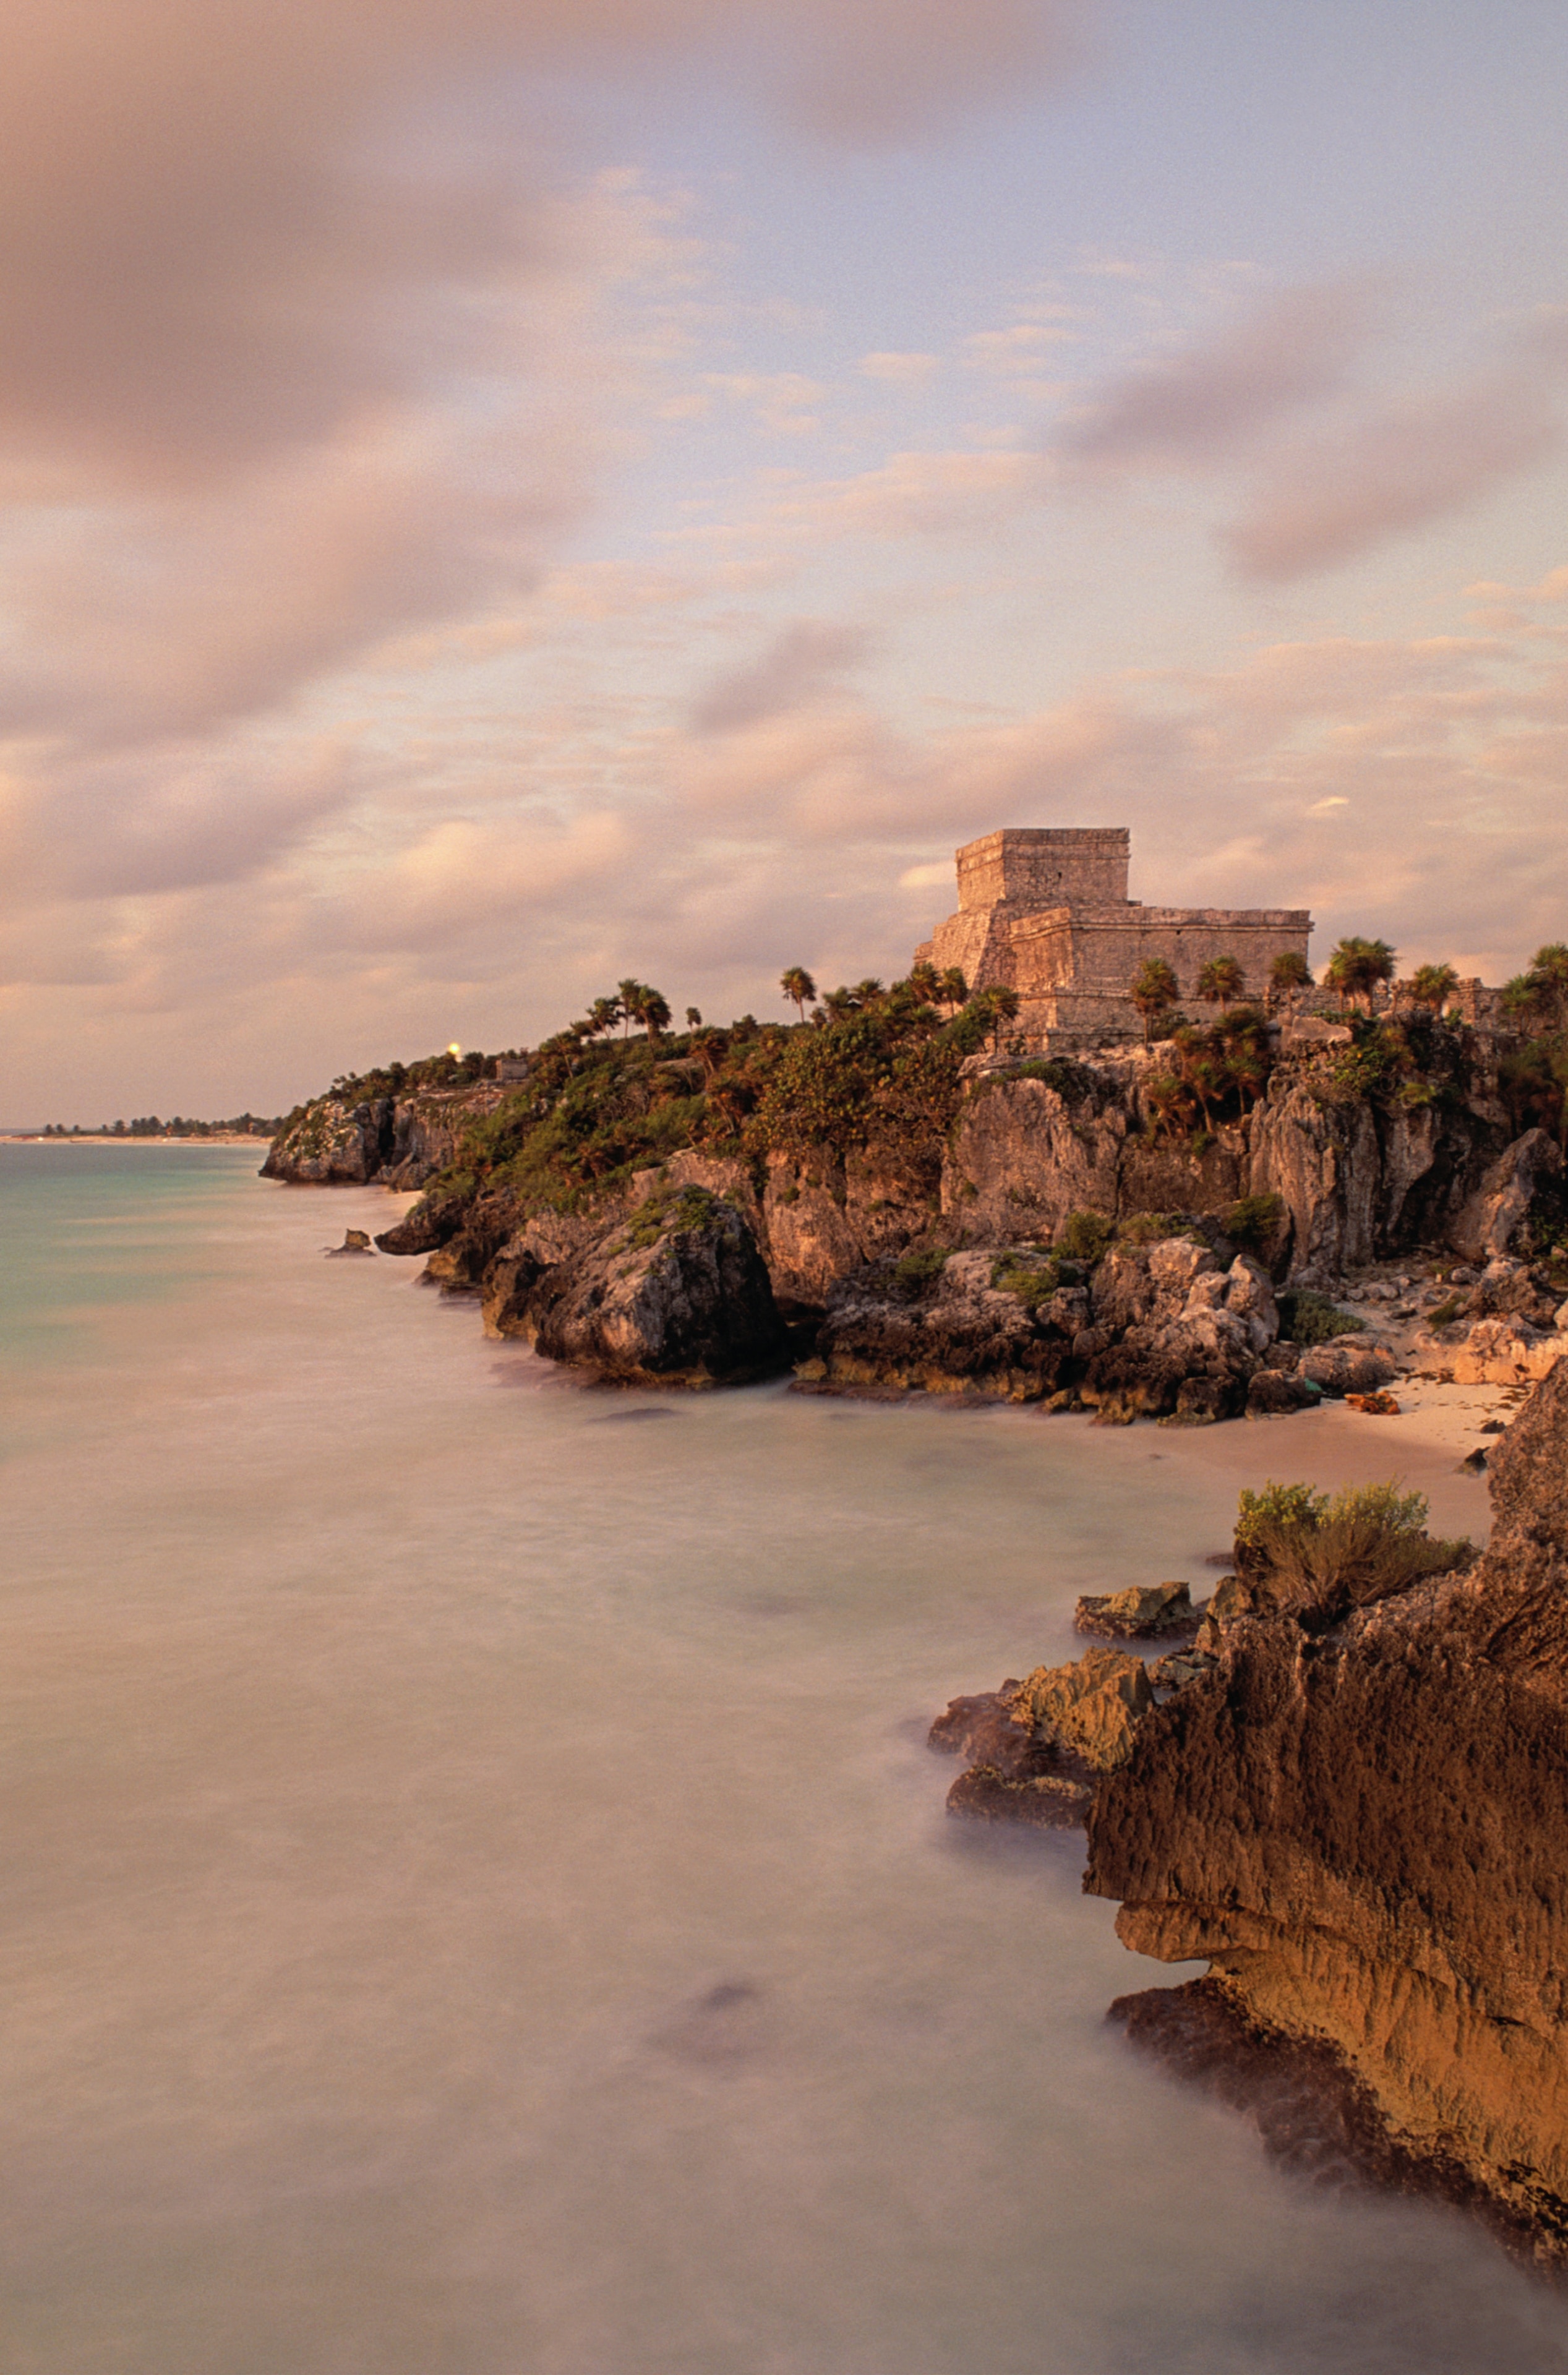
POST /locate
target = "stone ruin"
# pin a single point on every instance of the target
(1046, 911)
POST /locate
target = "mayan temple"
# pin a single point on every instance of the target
(1047, 910)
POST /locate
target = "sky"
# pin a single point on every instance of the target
(499, 495)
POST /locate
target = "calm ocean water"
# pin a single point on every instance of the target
(477, 1900)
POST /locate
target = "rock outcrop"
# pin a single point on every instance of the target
(677, 1296)
(1039, 1747)
(333, 1145)
(1365, 1831)
(947, 1324)
(1488, 1221)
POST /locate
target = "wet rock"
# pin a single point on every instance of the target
(988, 1728)
(679, 1294)
(1144, 1612)
(427, 1225)
(1047, 1801)
(355, 1241)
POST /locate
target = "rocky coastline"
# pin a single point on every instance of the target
(1352, 1802)
(1036, 1239)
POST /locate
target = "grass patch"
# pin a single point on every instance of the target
(916, 1273)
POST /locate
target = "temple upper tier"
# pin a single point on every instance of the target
(1046, 911)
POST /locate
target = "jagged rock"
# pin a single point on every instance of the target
(1343, 1367)
(679, 1294)
(461, 1263)
(1365, 1833)
(1486, 1223)
(427, 1225)
(1144, 1612)
(951, 1331)
(1091, 1706)
(332, 1144)
(1193, 1334)
(355, 1242)
(988, 1728)
(1179, 1666)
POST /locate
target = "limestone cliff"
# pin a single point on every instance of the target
(1365, 1832)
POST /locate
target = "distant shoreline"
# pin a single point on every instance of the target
(123, 1137)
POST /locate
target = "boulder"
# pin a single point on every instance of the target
(1275, 1393)
(1144, 1612)
(1505, 1353)
(355, 1242)
(1345, 1368)
(1487, 1223)
(679, 1294)
(1047, 1801)
(1197, 1335)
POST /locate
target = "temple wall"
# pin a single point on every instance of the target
(1031, 869)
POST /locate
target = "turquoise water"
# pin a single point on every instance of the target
(477, 1902)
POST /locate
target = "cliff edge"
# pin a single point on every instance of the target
(1365, 1832)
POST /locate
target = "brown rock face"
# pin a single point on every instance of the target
(1366, 1834)
(677, 1295)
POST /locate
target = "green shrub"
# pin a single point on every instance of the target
(1085, 1235)
(1254, 1220)
(915, 1273)
(1033, 1276)
(1314, 1554)
(667, 1213)
(1156, 1228)
(1442, 1312)
(1306, 1318)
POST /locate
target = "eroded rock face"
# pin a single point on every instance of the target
(1143, 1613)
(1366, 1832)
(1324, 1161)
(1022, 1159)
(1191, 1334)
(332, 1144)
(953, 1331)
(1487, 1224)
(679, 1294)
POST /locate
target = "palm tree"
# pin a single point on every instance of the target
(1221, 980)
(797, 986)
(1169, 1102)
(1434, 986)
(709, 1048)
(1548, 970)
(952, 988)
(926, 982)
(1288, 974)
(693, 1018)
(839, 1004)
(602, 1015)
(653, 1012)
(867, 992)
(630, 992)
(1001, 1003)
(1154, 992)
(1356, 968)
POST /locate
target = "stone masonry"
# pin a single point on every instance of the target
(1046, 911)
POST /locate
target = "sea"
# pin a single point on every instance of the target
(477, 1900)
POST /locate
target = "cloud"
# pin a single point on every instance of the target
(1391, 471)
(900, 369)
(918, 494)
(1204, 405)
(805, 661)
